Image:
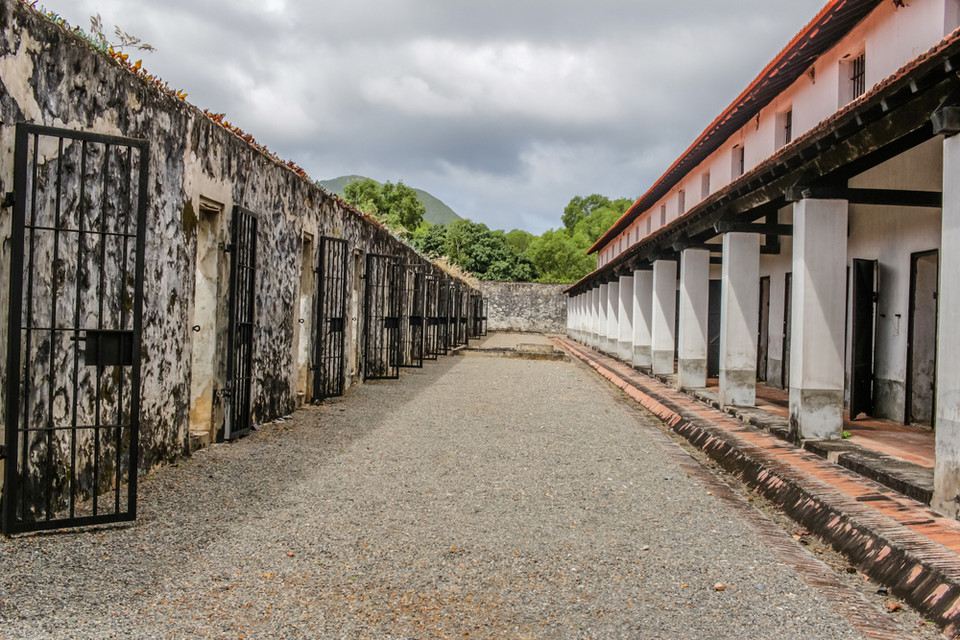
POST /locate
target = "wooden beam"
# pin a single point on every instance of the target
(881, 197)
(727, 226)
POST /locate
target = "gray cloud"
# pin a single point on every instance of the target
(504, 109)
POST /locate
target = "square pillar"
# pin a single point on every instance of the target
(613, 318)
(946, 470)
(739, 310)
(664, 315)
(642, 318)
(625, 347)
(601, 342)
(592, 303)
(818, 318)
(694, 304)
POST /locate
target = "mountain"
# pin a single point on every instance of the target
(436, 211)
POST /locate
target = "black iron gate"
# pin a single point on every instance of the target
(414, 304)
(243, 270)
(74, 329)
(864, 322)
(381, 359)
(431, 323)
(328, 377)
(443, 317)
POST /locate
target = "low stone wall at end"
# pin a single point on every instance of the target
(525, 306)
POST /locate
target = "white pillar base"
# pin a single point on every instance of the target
(694, 304)
(739, 309)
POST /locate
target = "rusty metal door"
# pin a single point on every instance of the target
(864, 289)
(329, 372)
(414, 304)
(243, 272)
(381, 358)
(74, 329)
(431, 322)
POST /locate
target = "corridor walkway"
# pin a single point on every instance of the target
(475, 498)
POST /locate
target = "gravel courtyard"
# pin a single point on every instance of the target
(476, 498)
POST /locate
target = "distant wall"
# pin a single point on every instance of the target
(525, 306)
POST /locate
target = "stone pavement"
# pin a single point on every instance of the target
(897, 540)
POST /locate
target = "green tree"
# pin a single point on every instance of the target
(396, 205)
(581, 207)
(561, 257)
(519, 240)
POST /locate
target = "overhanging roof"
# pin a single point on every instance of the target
(833, 22)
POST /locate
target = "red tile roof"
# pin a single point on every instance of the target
(833, 22)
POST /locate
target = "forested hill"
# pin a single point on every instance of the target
(436, 211)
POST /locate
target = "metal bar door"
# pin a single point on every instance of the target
(430, 328)
(74, 329)
(243, 271)
(443, 317)
(864, 300)
(329, 373)
(381, 319)
(414, 304)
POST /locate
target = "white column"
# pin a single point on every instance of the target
(946, 472)
(578, 317)
(613, 318)
(739, 310)
(818, 318)
(594, 321)
(642, 317)
(664, 315)
(694, 304)
(626, 319)
(591, 317)
(602, 320)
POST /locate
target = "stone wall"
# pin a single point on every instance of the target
(198, 172)
(525, 306)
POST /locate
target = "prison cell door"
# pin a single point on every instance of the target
(787, 330)
(243, 268)
(713, 329)
(74, 329)
(329, 372)
(922, 338)
(381, 319)
(442, 318)
(763, 330)
(864, 290)
(430, 349)
(414, 304)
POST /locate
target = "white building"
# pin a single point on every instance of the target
(808, 225)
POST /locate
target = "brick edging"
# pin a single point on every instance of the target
(922, 573)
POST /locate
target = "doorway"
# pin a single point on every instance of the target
(922, 338)
(763, 330)
(864, 289)
(713, 329)
(787, 329)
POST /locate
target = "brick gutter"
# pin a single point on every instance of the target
(897, 541)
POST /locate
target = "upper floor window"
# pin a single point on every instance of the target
(858, 76)
(663, 214)
(705, 185)
(784, 127)
(681, 202)
(738, 164)
(853, 77)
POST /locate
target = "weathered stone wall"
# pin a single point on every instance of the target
(525, 306)
(51, 77)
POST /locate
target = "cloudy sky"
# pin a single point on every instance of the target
(504, 109)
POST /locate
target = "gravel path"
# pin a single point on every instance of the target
(478, 497)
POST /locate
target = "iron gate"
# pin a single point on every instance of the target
(431, 322)
(478, 308)
(243, 271)
(381, 358)
(441, 320)
(74, 329)
(328, 378)
(413, 302)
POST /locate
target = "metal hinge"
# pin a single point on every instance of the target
(3, 452)
(223, 393)
(226, 247)
(9, 199)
